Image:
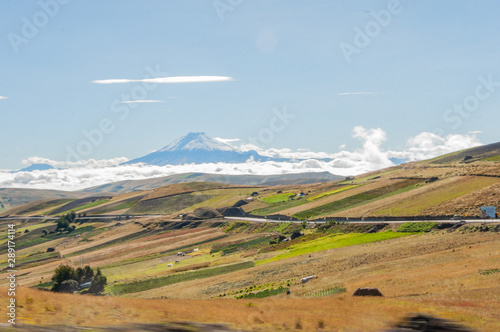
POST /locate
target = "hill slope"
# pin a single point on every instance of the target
(441, 187)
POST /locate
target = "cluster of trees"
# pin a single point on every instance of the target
(64, 221)
(68, 280)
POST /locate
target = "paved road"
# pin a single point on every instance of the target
(87, 217)
(371, 222)
(254, 219)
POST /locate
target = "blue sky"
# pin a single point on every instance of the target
(429, 56)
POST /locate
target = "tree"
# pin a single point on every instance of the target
(69, 286)
(97, 285)
(61, 274)
(88, 274)
(68, 280)
(44, 232)
(62, 223)
(80, 274)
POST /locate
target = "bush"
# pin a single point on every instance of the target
(97, 285)
(69, 286)
(416, 226)
(68, 280)
(61, 274)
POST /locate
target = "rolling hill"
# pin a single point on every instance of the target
(456, 184)
(121, 187)
(12, 197)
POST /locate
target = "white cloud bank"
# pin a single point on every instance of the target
(370, 157)
(171, 79)
(3, 97)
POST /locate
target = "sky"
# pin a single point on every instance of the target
(90, 81)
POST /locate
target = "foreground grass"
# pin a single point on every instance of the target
(331, 242)
(143, 285)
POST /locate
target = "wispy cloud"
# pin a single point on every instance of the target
(2, 97)
(227, 140)
(141, 101)
(171, 79)
(355, 93)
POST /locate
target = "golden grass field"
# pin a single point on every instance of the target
(436, 273)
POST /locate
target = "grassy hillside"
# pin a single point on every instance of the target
(237, 270)
(444, 186)
(248, 180)
(13, 197)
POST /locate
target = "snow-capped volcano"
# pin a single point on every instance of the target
(197, 148)
(196, 141)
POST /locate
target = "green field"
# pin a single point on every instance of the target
(233, 247)
(122, 239)
(264, 293)
(86, 206)
(47, 205)
(331, 242)
(278, 207)
(143, 285)
(164, 253)
(32, 238)
(41, 257)
(419, 203)
(494, 158)
(325, 292)
(358, 199)
(278, 198)
(169, 204)
(416, 226)
(332, 192)
(128, 204)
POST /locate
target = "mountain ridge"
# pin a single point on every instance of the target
(198, 148)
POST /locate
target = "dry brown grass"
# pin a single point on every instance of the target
(184, 188)
(429, 199)
(433, 273)
(341, 313)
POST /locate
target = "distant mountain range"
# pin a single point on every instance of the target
(125, 186)
(34, 167)
(198, 148)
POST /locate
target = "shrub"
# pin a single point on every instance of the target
(416, 226)
(97, 285)
(69, 286)
(68, 280)
(61, 274)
